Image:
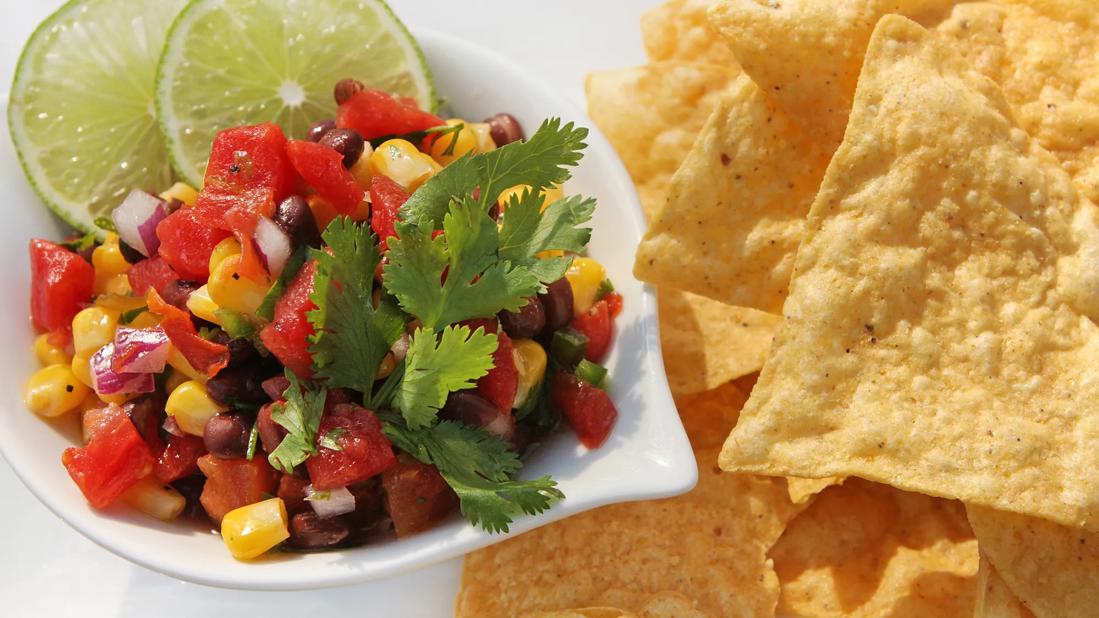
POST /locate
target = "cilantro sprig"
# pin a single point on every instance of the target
(434, 369)
(530, 228)
(300, 415)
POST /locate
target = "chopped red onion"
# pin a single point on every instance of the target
(140, 350)
(172, 426)
(273, 245)
(136, 219)
(107, 381)
(330, 502)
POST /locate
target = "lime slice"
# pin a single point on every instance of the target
(81, 112)
(232, 62)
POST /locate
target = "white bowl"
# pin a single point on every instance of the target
(646, 456)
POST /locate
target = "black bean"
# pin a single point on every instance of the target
(319, 128)
(243, 385)
(347, 142)
(473, 409)
(295, 218)
(525, 323)
(131, 255)
(347, 88)
(311, 532)
(226, 436)
(557, 303)
(146, 412)
(177, 292)
(504, 129)
(270, 432)
(242, 352)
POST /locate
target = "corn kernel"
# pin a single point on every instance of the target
(145, 319)
(446, 149)
(119, 303)
(200, 304)
(323, 211)
(48, 353)
(192, 407)
(232, 290)
(585, 276)
(530, 360)
(117, 285)
(150, 497)
(53, 391)
(551, 195)
(93, 328)
(183, 367)
(222, 250)
(251, 530)
(399, 160)
(361, 169)
(107, 258)
(82, 369)
(180, 191)
(483, 131)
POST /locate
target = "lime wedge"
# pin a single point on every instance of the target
(232, 62)
(81, 112)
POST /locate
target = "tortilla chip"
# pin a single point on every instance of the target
(994, 598)
(680, 30)
(716, 555)
(662, 605)
(1052, 569)
(707, 343)
(584, 612)
(708, 416)
(863, 549)
(737, 205)
(934, 337)
(802, 490)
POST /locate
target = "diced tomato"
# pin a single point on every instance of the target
(250, 157)
(490, 325)
(203, 355)
(364, 449)
(386, 199)
(596, 326)
(150, 274)
(374, 113)
(292, 492)
(61, 282)
(287, 336)
(179, 458)
(233, 483)
(614, 302)
(186, 243)
(114, 459)
(417, 496)
(322, 168)
(588, 409)
(500, 384)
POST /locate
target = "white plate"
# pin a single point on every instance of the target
(646, 456)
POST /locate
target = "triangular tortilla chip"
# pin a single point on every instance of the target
(935, 335)
(1052, 569)
(994, 598)
(679, 30)
(863, 549)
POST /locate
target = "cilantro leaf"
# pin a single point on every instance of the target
(80, 243)
(527, 230)
(540, 161)
(300, 415)
(434, 370)
(235, 324)
(330, 440)
(479, 467)
(266, 310)
(477, 283)
(352, 336)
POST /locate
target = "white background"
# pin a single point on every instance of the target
(49, 570)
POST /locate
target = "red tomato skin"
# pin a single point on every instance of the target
(233, 483)
(417, 496)
(588, 409)
(500, 384)
(287, 336)
(250, 157)
(597, 327)
(386, 199)
(614, 302)
(322, 168)
(150, 274)
(186, 243)
(206, 356)
(364, 449)
(179, 458)
(375, 113)
(61, 282)
(115, 458)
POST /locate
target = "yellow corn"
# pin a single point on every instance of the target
(107, 258)
(456, 144)
(156, 500)
(399, 160)
(585, 276)
(323, 211)
(53, 391)
(361, 170)
(119, 303)
(92, 329)
(222, 250)
(182, 366)
(200, 304)
(530, 360)
(192, 407)
(483, 132)
(180, 191)
(232, 290)
(251, 530)
(48, 353)
(551, 194)
(145, 319)
(82, 369)
(116, 285)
